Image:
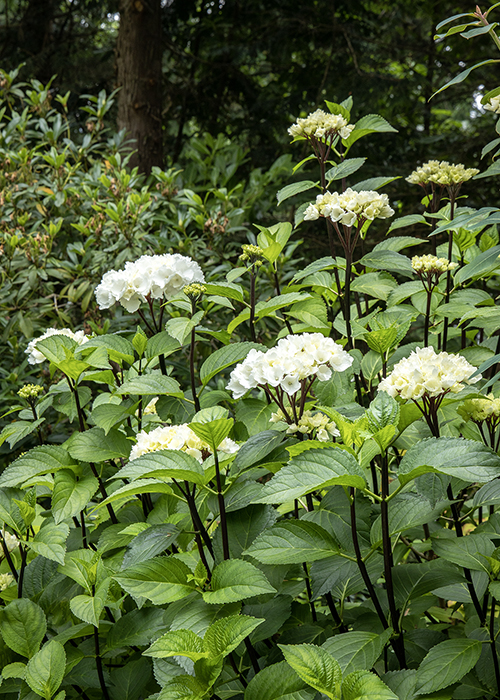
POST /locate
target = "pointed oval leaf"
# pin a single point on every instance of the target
(224, 635)
(164, 464)
(235, 580)
(447, 663)
(45, 670)
(292, 542)
(277, 682)
(178, 643)
(315, 666)
(23, 626)
(161, 580)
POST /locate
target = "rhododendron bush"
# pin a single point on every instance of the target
(277, 481)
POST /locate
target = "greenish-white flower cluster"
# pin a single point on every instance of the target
(194, 290)
(430, 264)
(294, 359)
(35, 357)
(311, 423)
(321, 125)
(479, 410)
(441, 173)
(177, 437)
(30, 391)
(5, 581)
(493, 105)
(11, 541)
(428, 373)
(350, 207)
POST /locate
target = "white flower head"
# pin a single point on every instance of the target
(35, 357)
(177, 437)
(428, 373)
(441, 173)
(156, 276)
(293, 359)
(493, 105)
(430, 264)
(321, 125)
(350, 207)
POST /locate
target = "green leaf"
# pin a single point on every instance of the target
(373, 183)
(223, 636)
(470, 552)
(70, 495)
(228, 290)
(235, 580)
(107, 415)
(465, 459)
(149, 543)
(376, 284)
(45, 670)
(267, 308)
(256, 449)
(95, 446)
(137, 627)
(14, 670)
(224, 358)
(315, 666)
(17, 431)
(293, 189)
(388, 260)
(405, 221)
(344, 169)
(292, 542)
(140, 341)
(447, 663)
(368, 124)
(178, 643)
(406, 510)
(161, 344)
(183, 688)
(89, 608)
(311, 470)
(154, 384)
(341, 109)
(383, 411)
(317, 266)
(483, 264)
(356, 651)
(164, 464)
(363, 685)
(49, 541)
(462, 76)
(23, 626)
(180, 328)
(118, 348)
(277, 682)
(45, 459)
(131, 680)
(213, 432)
(137, 487)
(162, 580)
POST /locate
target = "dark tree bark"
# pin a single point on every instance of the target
(138, 55)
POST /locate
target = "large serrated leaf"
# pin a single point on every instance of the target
(45, 670)
(70, 494)
(40, 460)
(447, 663)
(95, 445)
(154, 384)
(278, 682)
(162, 580)
(356, 651)
(292, 542)
(223, 636)
(23, 626)
(164, 464)
(315, 666)
(224, 358)
(311, 470)
(235, 580)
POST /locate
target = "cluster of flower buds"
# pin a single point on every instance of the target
(5, 581)
(315, 424)
(194, 291)
(430, 374)
(294, 359)
(441, 173)
(35, 357)
(11, 541)
(430, 265)
(479, 410)
(152, 276)
(321, 125)
(30, 392)
(252, 254)
(177, 437)
(350, 208)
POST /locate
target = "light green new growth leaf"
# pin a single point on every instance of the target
(292, 542)
(45, 670)
(235, 580)
(277, 682)
(224, 635)
(311, 470)
(23, 626)
(183, 688)
(14, 670)
(50, 541)
(162, 580)
(224, 358)
(447, 663)
(70, 495)
(177, 643)
(89, 608)
(213, 432)
(363, 685)
(315, 666)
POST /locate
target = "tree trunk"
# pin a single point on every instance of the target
(138, 56)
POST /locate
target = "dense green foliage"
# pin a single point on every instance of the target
(249, 476)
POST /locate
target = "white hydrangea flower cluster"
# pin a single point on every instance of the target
(321, 125)
(177, 437)
(11, 541)
(350, 207)
(430, 264)
(493, 105)
(309, 423)
(293, 359)
(5, 581)
(479, 410)
(428, 373)
(35, 357)
(441, 173)
(156, 276)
